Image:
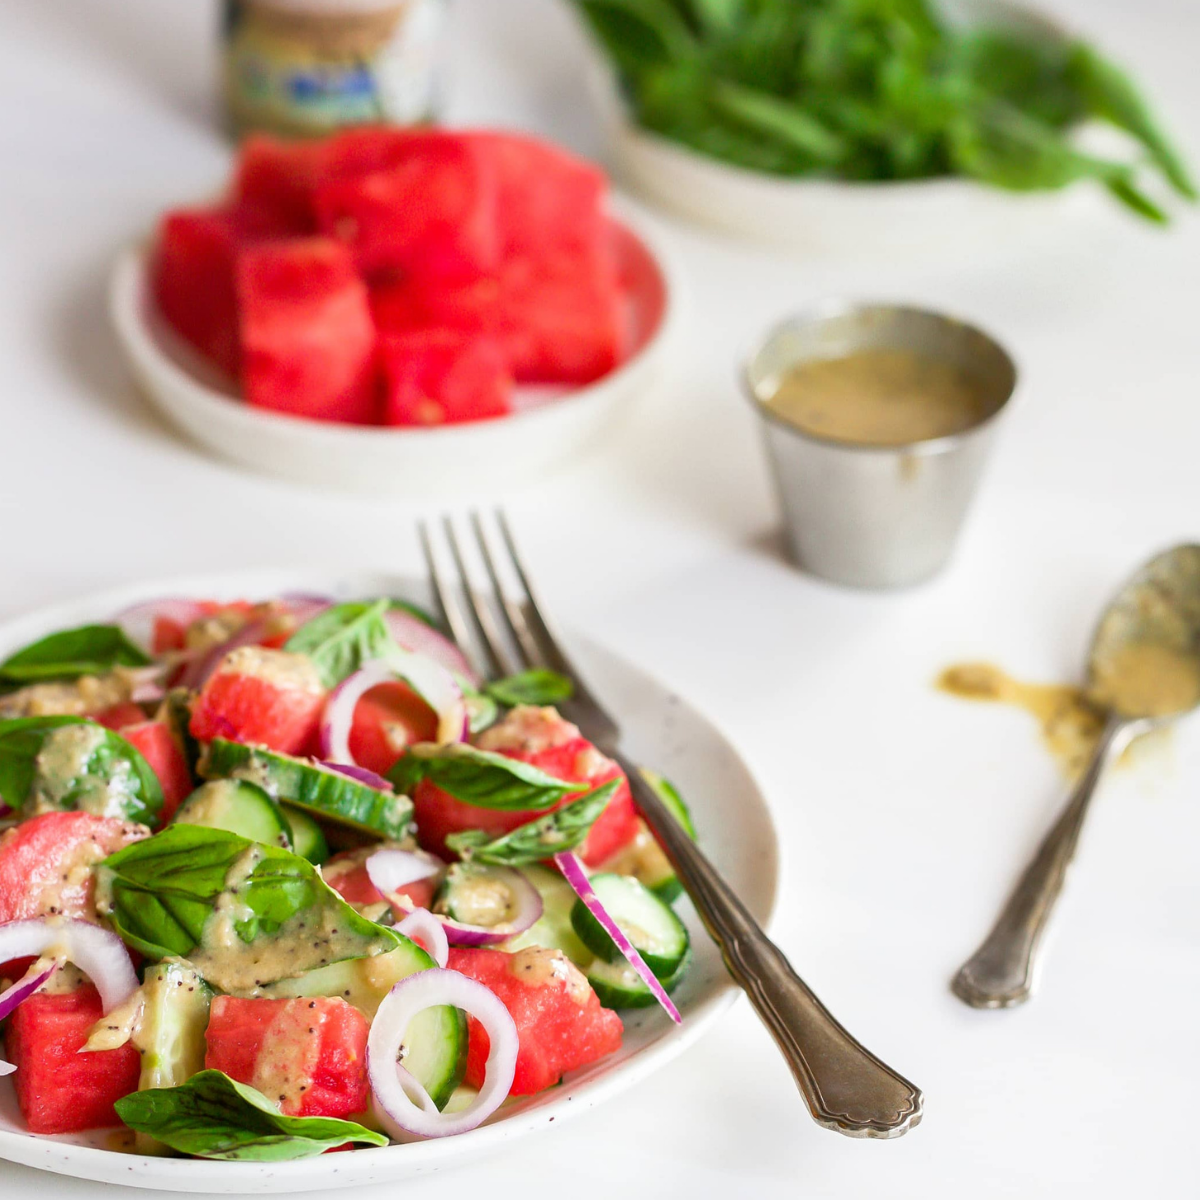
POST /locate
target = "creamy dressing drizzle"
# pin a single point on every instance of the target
(538, 966)
(62, 774)
(313, 938)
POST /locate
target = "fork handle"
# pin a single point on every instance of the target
(846, 1087)
(1001, 973)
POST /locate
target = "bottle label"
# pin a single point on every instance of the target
(306, 73)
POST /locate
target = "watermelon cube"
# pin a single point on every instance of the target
(404, 305)
(308, 1056)
(159, 748)
(193, 281)
(546, 199)
(443, 376)
(275, 181)
(433, 214)
(44, 861)
(308, 340)
(560, 1022)
(543, 738)
(560, 316)
(60, 1090)
(263, 698)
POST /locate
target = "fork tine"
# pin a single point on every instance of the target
(538, 625)
(514, 615)
(485, 625)
(443, 593)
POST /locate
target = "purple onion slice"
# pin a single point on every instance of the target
(575, 874)
(403, 1105)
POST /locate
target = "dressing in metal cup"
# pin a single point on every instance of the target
(872, 515)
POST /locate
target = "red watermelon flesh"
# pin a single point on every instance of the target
(442, 377)
(542, 737)
(261, 697)
(388, 718)
(276, 180)
(60, 1090)
(547, 199)
(37, 854)
(560, 1022)
(347, 874)
(560, 316)
(308, 339)
(193, 280)
(433, 214)
(469, 306)
(159, 748)
(309, 1056)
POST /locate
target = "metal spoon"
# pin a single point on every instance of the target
(1144, 669)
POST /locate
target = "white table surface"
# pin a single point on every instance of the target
(903, 814)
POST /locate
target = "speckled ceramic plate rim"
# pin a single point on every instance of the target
(651, 1039)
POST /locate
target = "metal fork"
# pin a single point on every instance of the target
(846, 1087)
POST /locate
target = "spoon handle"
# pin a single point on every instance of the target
(1001, 972)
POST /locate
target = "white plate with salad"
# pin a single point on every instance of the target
(269, 840)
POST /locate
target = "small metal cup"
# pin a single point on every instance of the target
(876, 516)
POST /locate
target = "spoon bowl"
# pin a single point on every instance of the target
(1144, 662)
(1144, 670)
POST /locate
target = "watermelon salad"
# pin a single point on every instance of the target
(283, 877)
(398, 277)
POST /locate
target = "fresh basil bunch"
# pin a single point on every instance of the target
(878, 90)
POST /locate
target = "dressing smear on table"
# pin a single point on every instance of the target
(880, 397)
(1070, 723)
(1070, 719)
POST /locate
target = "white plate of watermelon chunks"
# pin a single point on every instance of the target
(731, 820)
(398, 311)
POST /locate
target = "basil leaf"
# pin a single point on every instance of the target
(479, 777)
(212, 1116)
(72, 764)
(669, 795)
(1110, 94)
(563, 829)
(89, 650)
(482, 710)
(220, 900)
(537, 687)
(341, 639)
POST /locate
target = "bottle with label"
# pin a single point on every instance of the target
(309, 67)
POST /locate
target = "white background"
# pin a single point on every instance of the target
(904, 814)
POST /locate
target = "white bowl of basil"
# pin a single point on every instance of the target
(866, 125)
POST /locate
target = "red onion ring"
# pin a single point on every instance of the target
(360, 775)
(390, 870)
(574, 873)
(97, 952)
(435, 685)
(529, 908)
(404, 1106)
(20, 991)
(421, 923)
(411, 633)
(138, 620)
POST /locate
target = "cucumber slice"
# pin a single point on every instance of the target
(553, 929)
(237, 807)
(657, 934)
(170, 1033)
(618, 985)
(437, 1038)
(308, 839)
(310, 786)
